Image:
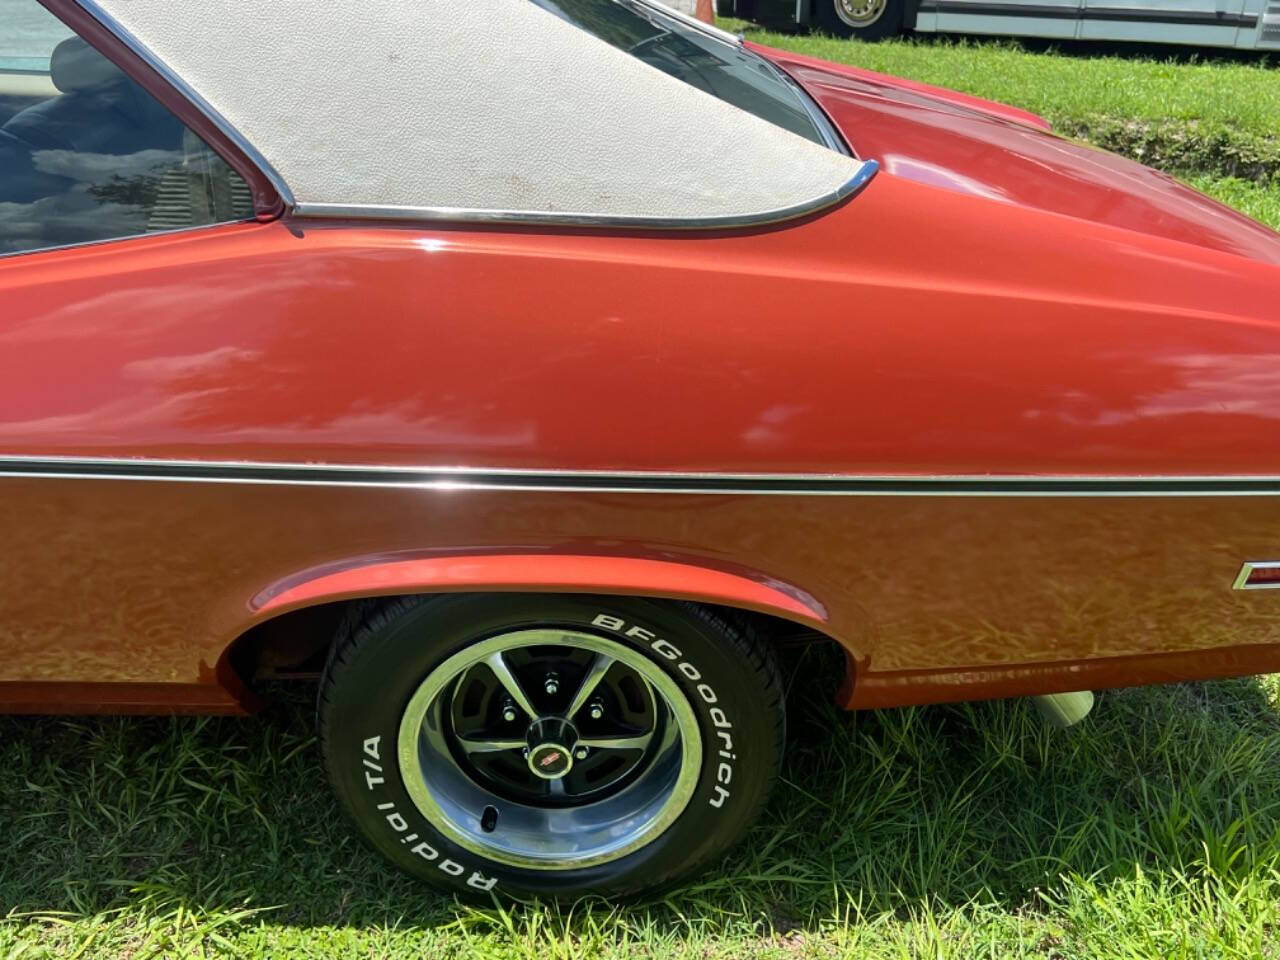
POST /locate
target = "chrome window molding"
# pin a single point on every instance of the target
(451, 478)
(341, 211)
(82, 244)
(189, 93)
(710, 29)
(483, 216)
(830, 135)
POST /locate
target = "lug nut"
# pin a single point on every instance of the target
(580, 753)
(597, 710)
(552, 684)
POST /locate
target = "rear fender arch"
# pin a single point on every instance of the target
(328, 586)
(679, 578)
(539, 573)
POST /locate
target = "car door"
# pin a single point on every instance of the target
(96, 175)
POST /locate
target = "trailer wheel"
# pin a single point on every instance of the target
(864, 19)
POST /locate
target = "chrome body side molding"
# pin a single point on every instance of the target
(588, 481)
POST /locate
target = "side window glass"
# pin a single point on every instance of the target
(86, 154)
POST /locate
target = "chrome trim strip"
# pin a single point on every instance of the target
(341, 211)
(710, 29)
(1242, 578)
(624, 481)
(856, 182)
(174, 231)
(95, 10)
(830, 135)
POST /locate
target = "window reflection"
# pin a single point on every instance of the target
(731, 74)
(86, 154)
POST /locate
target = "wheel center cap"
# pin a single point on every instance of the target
(551, 741)
(550, 761)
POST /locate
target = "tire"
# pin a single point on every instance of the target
(661, 769)
(863, 19)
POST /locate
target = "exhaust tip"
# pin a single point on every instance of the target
(1063, 710)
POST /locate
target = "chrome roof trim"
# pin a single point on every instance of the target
(830, 135)
(710, 29)
(96, 11)
(855, 183)
(540, 218)
(825, 127)
(642, 481)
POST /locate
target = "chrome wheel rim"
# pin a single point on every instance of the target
(859, 13)
(549, 749)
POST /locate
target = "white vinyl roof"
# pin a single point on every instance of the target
(450, 108)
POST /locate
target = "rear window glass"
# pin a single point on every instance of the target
(724, 70)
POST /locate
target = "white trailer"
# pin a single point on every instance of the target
(1241, 24)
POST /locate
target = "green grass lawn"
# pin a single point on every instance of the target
(1215, 123)
(1217, 117)
(1150, 831)
(1260, 201)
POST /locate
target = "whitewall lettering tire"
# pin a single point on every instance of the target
(549, 746)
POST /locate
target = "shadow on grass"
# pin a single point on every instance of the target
(878, 812)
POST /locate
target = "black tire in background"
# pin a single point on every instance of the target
(863, 19)
(723, 685)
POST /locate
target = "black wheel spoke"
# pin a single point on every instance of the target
(498, 664)
(600, 665)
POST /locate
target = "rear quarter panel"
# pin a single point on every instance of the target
(773, 352)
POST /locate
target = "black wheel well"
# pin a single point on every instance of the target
(295, 645)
